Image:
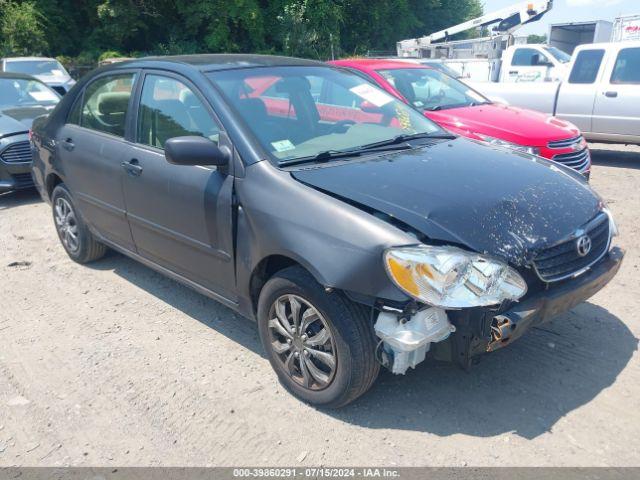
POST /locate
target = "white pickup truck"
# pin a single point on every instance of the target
(601, 94)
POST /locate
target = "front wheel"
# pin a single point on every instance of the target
(320, 344)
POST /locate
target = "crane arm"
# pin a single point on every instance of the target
(508, 20)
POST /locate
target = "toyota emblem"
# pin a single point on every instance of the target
(583, 245)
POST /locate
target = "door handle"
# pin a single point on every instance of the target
(132, 167)
(611, 94)
(68, 144)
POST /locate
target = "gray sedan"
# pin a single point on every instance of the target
(22, 98)
(355, 231)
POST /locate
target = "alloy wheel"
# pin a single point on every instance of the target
(66, 224)
(302, 341)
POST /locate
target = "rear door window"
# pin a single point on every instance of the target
(106, 102)
(586, 67)
(627, 67)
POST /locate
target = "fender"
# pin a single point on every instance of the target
(278, 216)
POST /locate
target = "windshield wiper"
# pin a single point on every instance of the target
(327, 155)
(399, 139)
(398, 142)
(448, 107)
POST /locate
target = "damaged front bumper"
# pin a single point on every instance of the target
(481, 330)
(543, 306)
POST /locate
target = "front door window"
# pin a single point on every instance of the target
(168, 109)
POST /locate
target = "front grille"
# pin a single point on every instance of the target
(565, 143)
(562, 260)
(17, 153)
(60, 90)
(578, 161)
(22, 180)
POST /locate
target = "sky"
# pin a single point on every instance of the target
(571, 11)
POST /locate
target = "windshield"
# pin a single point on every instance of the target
(558, 54)
(18, 91)
(36, 67)
(430, 89)
(298, 112)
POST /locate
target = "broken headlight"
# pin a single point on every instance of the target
(449, 277)
(513, 146)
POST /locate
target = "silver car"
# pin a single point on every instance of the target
(48, 70)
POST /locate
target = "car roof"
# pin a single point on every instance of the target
(374, 64)
(27, 59)
(609, 45)
(18, 76)
(218, 61)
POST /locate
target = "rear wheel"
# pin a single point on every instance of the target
(74, 235)
(320, 344)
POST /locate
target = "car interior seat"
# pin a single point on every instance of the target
(112, 109)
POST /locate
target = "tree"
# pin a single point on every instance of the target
(21, 29)
(306, 28)
(379, 25)
(533, 38)
(310, 28)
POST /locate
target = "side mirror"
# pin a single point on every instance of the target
(195, 151)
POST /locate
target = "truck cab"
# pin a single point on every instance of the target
(532, 63)
(602, 92)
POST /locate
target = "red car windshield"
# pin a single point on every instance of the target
(430, 89)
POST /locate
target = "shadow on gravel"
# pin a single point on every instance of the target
(197, 306)
(525, 388)
(615, 158)
(19, 198)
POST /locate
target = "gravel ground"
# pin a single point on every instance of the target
(113, 364)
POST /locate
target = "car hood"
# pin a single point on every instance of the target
(19, 118)
(517, 125)
(53, 79)
(484, 198)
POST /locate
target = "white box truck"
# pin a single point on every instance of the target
(567, 36)
(626, 28)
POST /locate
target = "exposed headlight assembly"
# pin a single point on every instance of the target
(449, 277)
(513, 146)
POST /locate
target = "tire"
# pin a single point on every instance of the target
(352, 340)
(77, 240)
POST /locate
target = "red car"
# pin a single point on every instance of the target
(461, 110)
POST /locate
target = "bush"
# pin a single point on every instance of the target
(110, 54)
(67, 61)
